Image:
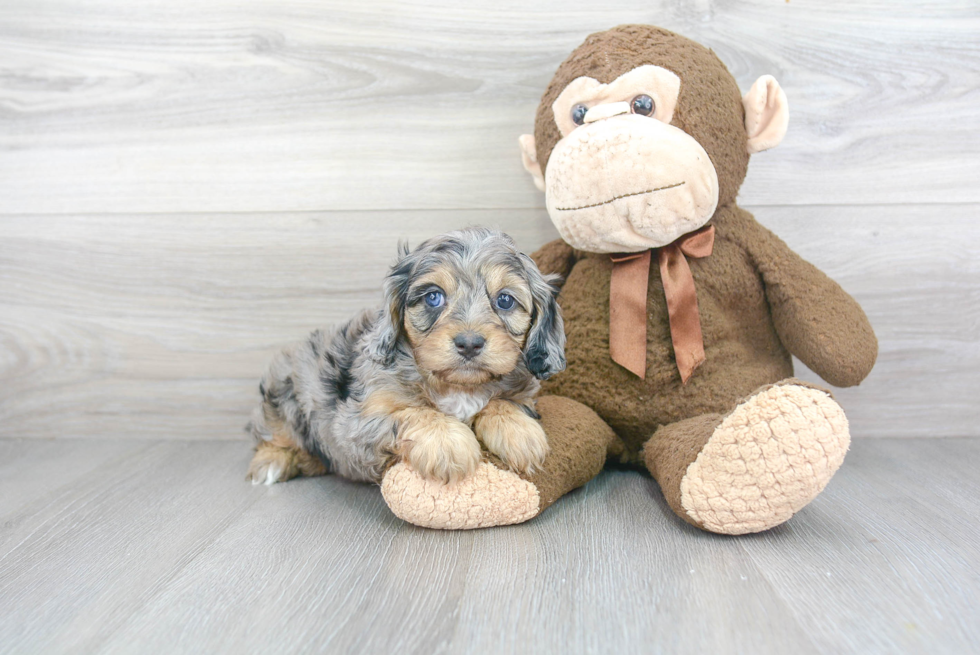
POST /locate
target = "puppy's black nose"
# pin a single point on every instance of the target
(469, 344)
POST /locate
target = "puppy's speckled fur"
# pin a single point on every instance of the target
(393, 383)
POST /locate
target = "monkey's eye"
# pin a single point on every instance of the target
(578, 114)
(643, 105)
(505, 301)
(435, 299)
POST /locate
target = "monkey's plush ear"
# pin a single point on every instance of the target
(529, 155)
(766, 114)
(544, 350)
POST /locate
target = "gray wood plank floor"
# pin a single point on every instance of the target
(127, 546)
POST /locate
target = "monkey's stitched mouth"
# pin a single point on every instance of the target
(625, 195)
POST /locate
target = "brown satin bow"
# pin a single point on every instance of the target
(628, 303)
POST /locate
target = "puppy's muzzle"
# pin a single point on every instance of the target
(469, 344)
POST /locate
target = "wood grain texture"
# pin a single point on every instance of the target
(187, 186)
(286, 105)
(899, 523)
(76, 563)
(31, 473)
(167, 549)
(159, 326)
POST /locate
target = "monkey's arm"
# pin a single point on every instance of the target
(814, 317)
(556, 257)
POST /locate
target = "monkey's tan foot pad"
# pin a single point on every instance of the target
(489, 497)
(767, 459)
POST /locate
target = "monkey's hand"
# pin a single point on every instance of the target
(814, 317)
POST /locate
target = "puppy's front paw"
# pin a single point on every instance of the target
(440, 448)
(513, 436)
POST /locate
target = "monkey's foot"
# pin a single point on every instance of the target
(490, 496)
(493, 495)
(762, 463)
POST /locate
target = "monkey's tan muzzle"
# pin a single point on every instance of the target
(625, 183)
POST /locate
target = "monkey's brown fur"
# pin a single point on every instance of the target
(759, 301)
(710, 110)
(742, 445)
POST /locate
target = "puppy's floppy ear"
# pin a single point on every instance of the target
(384, 346)
(544, 350)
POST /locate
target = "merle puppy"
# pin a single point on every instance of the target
(453, 358)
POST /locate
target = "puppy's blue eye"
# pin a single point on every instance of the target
(578, 114)
(435, 299)
(505, 301)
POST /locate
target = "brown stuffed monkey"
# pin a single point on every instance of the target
(681, 311)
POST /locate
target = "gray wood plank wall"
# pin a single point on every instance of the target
(185, 186)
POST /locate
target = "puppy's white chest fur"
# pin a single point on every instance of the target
(462, 405)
